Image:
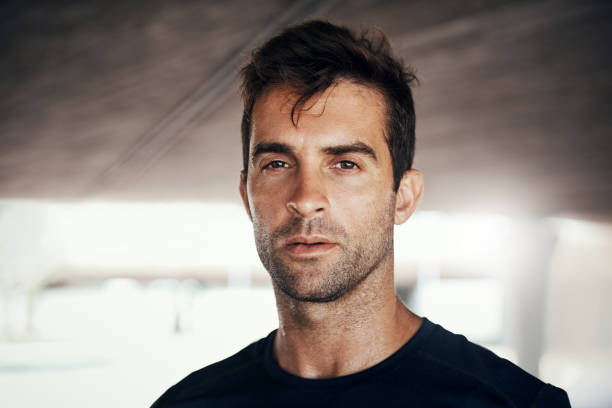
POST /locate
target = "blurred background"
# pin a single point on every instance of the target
(126, 260)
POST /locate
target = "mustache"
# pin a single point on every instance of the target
(301, 226)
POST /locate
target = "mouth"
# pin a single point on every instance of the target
(309, 246)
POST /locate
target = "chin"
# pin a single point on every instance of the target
(314, 286)
(313, 296)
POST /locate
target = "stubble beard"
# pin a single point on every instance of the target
(317, 280)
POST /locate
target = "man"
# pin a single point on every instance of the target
(328, 140)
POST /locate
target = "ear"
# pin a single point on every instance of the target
(408, 195)
(243, 194)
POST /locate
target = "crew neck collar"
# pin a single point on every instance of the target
(283, 376)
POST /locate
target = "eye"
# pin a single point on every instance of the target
(346, 165)
(276, 164)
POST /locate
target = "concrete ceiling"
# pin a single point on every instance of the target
(137, 100)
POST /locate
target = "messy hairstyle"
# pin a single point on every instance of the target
(311, 57)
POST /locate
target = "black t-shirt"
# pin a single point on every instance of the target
(435, 368)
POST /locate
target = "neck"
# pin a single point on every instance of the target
(357, 331)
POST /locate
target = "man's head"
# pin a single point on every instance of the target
(321, 187)
(315, 55)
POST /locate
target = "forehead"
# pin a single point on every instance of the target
(346, 110)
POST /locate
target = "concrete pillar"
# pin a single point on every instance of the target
(525, 286)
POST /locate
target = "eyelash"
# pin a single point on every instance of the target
(273, 163)
(353, 165)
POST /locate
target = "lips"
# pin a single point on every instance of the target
(313, 240)
(309, 246)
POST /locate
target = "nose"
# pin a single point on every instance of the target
(309, 196)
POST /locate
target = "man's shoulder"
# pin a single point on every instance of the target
(214, 377)
(459, 357)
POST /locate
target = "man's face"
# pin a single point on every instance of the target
(320, 195)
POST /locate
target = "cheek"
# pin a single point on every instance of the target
(358, 196)
(265, 210)
(357, 211)
(370, 211)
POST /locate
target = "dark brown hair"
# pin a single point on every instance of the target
(311, 57)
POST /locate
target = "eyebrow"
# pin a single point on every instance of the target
(271, 147)
(275, 147)
(357, 147)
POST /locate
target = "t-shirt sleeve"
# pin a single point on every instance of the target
(162, 401)
(551, 396)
